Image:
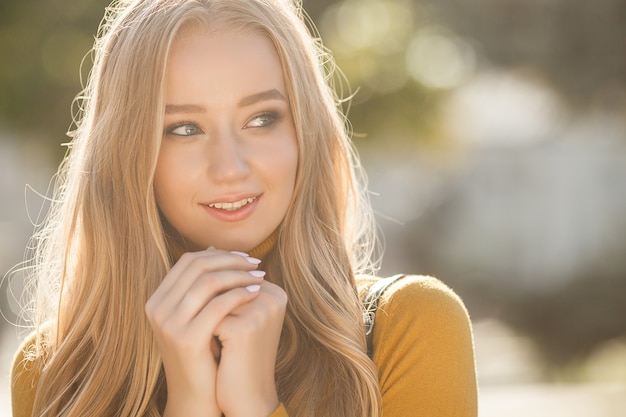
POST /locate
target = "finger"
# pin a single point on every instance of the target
(219, 307)
(176, 311)
(210, 285)
(194, 335)
(206, 261)
(182, 275)
(265, 311)
(270, 294)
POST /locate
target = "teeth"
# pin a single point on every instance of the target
(234, 205)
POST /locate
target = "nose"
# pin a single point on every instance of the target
(227, 158)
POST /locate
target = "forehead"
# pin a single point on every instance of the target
(194, 31)
(210, 61)
(220, 33)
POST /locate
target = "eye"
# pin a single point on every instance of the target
(184, 129)
(263, 120)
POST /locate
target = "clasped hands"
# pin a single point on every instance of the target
(217, 325)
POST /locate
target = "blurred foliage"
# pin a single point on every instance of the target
(42, 44)
(399, 56)
(579, 45)
(375, 45)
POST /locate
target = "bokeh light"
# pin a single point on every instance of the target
(439, 60)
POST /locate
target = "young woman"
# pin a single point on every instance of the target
(208, 239)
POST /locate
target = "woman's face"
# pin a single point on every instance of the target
(227, 164)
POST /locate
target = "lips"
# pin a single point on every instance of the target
(232, 206)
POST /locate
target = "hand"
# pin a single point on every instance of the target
(200, 290)
(249, 336)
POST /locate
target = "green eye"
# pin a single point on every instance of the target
(263, 119)
(184, 129)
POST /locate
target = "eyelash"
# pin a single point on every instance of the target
(170, 130)
(268, 119)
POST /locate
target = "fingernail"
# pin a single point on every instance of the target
(253, 288)
(211, 248)
(236, 252)
(257, 274)
(253, 261)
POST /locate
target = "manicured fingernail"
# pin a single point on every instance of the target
(253, 261)
(211, 248)
(236, 252)
(257, 274)
(253, 288)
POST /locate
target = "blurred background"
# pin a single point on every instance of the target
(494, 135)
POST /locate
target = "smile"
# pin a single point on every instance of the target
(236, 205)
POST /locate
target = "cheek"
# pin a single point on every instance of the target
(289, 164)
(170, 177)
(162, 181)
(291, 152)
(176, 167)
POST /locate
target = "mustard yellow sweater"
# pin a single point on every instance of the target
(422, 347)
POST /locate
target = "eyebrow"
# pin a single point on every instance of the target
(272, 94)
(184, 108)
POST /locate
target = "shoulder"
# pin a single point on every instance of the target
(25, 374)
(421, 311)
(423, 349)
(423, 295)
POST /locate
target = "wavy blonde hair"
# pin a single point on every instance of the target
(104, 251)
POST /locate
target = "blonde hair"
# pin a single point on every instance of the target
(104, 250)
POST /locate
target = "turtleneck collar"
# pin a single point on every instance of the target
(261, 251)
(266, 246)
